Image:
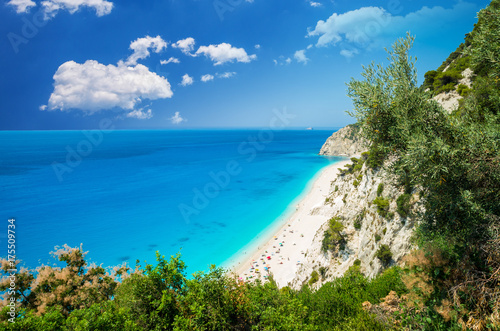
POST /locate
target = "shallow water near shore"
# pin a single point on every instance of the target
(127, 194)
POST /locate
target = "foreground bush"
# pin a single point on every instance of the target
(162, 297)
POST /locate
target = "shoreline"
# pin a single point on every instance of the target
(282, 250)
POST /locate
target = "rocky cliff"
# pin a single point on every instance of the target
(366, 228)
(344, 142)
(450, 100)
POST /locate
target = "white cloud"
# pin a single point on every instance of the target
(93, 86)
(349, 53)
(370, 27)
(141, 48)
(226, 74)
(139, 114)
(257, 46)
(282, 60)
(224, 52)
(206, 78)
(187, 80)
(185, 45)
(310, 46)
(170, 60)
(42, 107)
(177, 119)
(21, 6)
(301, 57)
(315, 4)
(51, 7)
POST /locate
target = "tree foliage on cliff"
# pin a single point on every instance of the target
(455, 159)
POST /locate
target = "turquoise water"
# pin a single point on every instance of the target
(127, 194)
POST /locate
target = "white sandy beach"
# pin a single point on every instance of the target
(284, 251)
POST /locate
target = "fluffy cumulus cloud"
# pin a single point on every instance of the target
(21, 6)
(224, 52)
(93, 86)
(207, 78)
(315, 4)
(170, 60)
(187, 80)
(177, 119)
(300, 56)
(185, 45)
(141, 47)
(140, 114)
(370, 27)
(52, 7)
(350, 25)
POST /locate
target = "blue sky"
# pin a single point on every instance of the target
(69, 64)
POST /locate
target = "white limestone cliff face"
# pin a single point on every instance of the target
(347, 201)
(344, 142)
(450, 100)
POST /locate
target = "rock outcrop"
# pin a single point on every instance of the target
(344, 142)
(450, 100)
(351, 199)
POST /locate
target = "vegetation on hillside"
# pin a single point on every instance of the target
(162, 297)
(454, 159)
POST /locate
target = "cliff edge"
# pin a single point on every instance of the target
(345, 142)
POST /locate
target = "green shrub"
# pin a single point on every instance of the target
(357, 181)
(358, 222)
(484, 98)
(333, 236)
(384, 254)
(403, 202)
(376, 157)
(382, 206)
(322, 271)
(446, 81)
(384, 231)
(336, 188)
(389, 280)
(463, 90)
(357, 262)
(446, 88)
(377, 237)
(430, 76)
(314, 277)
(380, 189)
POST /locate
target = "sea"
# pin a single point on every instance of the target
(126, 194)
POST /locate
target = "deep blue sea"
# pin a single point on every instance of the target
(127, 194)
